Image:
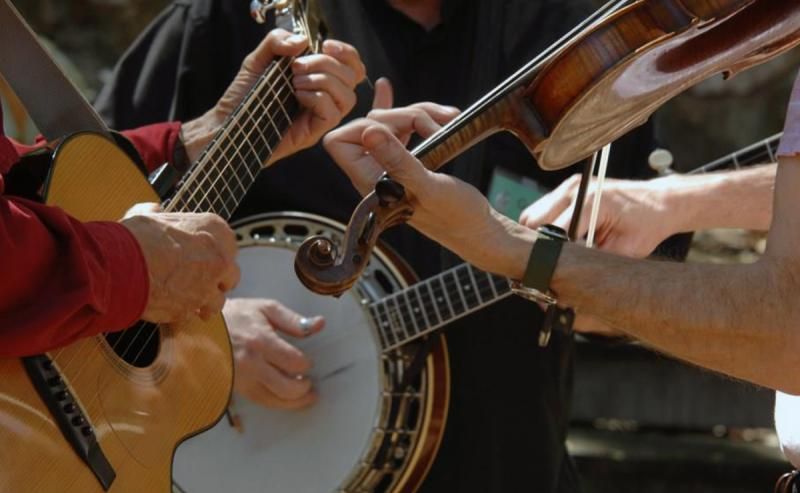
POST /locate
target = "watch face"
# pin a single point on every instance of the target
(553, 231)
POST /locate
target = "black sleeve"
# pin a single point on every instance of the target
(142, 86)
(181, 64)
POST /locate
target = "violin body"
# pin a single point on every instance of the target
(597, 83)
(614, 78)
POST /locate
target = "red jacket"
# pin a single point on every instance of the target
(63, 279)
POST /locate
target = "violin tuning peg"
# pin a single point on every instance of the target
(661, 160)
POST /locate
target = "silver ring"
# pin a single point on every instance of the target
(305, 325)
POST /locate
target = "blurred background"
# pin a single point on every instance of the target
(641, 422)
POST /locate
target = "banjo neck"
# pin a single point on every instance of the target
(430, 304)
(758, 153)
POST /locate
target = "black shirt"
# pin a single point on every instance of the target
(509, 407)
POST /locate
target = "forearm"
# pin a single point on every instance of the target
(739, 199)
(736, 319)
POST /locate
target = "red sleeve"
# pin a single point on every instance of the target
(63, 279)
(155, 143)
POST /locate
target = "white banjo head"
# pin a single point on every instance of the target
(316, 449)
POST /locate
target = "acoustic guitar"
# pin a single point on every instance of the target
(107, 412)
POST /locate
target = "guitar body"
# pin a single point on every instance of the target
(139, 413)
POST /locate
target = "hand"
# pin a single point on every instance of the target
(268, 369)
(446, 209)
(190, 259)
(632, 220)
(324, 86)
(345, 146)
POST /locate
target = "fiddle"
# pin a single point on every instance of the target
(598, 82)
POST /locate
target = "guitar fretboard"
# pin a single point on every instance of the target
(227, 168)
(424, 307)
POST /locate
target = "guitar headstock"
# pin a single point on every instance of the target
(297, 16)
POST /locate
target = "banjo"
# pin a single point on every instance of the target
(375, 427)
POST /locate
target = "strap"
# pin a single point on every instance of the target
(52, 100)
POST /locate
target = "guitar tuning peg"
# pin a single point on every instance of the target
(661, 160)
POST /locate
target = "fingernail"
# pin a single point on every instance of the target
(299, 67)
(373, 140)
(333, 47)
(295, 39)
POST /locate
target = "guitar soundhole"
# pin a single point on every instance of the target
(138, 346)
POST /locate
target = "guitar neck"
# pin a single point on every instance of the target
(758, 153)
(424, 307)
(228, 166)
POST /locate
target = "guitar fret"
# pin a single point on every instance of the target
(394, 323)
(470, 298)
(418, 307)
(443, 300)
(459, 303)
(428, 306)
(474, 283)
(491, 284)
(380, 323)
(484, 284)
(404, 318)
(412, 310)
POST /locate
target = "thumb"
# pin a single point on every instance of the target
(384, 95)
(143, 208)
(393, 157)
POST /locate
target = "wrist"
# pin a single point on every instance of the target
(681, 200)
(197, 134)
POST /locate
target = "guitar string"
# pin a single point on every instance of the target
(58, 355)
(233, 136)
(91, 406)
(136, 327)
(766, 149)
(65, 368)
(239, 163)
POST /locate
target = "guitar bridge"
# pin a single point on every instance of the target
(69, 416)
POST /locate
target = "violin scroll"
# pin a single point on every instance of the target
(325, 268)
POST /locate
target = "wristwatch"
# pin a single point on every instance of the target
(535, 283)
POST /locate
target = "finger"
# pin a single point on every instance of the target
(264, 397)
(405, 121)
(231, 277)
(212, 307)
(348, 55)
(283, 386)
(384, 95)
(440, 113)
(321, 106)
(390, 154)
(323, 64)
(290, 322)
(552, 205)
(277, 43)
(284, 356)
(343, 97)
(143, 208)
